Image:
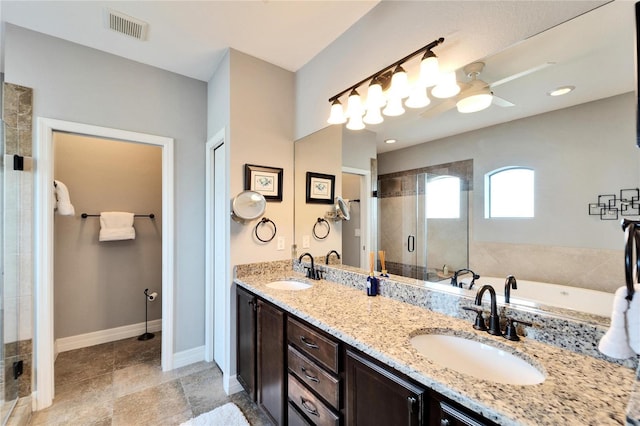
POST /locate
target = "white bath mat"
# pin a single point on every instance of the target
(227, 415)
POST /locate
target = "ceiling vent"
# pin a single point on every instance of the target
(125, 24)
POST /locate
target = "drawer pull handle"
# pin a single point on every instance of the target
(309, 407)
(308, 343)
(312, 378)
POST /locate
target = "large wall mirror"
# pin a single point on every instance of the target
(580, 146)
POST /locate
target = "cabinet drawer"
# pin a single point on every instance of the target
(314, 377)
(309, 404)
(294, 416)
(313, 344)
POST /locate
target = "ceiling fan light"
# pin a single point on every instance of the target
(418, 97)
(355, 123)
(474, 103)
(336, 116)
(400, 83)
(429, 69)
(447, 86)
(394, 107)
(375, 97)
(354, 105)
(373, 116)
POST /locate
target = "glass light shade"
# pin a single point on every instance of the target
(475, 103)
(394, 107)
(399, 83)
(418, 97)
(337, 114)
(354, 104)
(355, 123)
(373, 116)
(429, 71)
(375, 97)
(447, 86)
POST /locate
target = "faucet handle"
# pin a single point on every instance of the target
(510, 332)
(479, 324)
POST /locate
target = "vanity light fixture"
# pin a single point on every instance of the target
(561, 91)
(390, 90)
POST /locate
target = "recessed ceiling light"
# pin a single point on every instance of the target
(390, 141)
(561, 91)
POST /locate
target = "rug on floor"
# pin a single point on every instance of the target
(227, 415)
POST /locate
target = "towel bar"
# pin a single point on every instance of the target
(150, 215)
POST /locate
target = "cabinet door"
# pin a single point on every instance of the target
(246, 340)
(271, 362)
(377, 396)
(446, 414)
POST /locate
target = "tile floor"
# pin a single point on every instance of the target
(122, 383)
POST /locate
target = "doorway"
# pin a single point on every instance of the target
(356, 232)
(44, 244)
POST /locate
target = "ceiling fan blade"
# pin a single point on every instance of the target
(521, 74)
(440, 108)
(501, 102)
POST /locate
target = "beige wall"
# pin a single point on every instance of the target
(100, 285)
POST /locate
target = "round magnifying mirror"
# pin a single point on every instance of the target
(342, 207)
(248, 205)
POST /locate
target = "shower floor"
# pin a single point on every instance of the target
(122, 383)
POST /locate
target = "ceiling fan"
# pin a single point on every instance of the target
(476, 94)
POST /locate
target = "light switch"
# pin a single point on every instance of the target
(305, 241)
(280, 243)
(356, 232)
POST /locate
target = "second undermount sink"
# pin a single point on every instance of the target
(289, 285)
(477, 359)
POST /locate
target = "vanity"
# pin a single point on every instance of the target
(328, 354)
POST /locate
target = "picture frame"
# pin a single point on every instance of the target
(320, 188)
(264, 180)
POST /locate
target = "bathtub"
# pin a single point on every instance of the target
(532, 293)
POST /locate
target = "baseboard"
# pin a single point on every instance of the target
(234, 385)
(105, 336)
(190, 356)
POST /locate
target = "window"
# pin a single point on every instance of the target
(443, 198)
(509, 192)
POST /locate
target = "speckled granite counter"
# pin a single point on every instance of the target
(578, 389)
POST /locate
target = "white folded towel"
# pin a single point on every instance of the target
(622, 340)
(116, 226)
(63, 202)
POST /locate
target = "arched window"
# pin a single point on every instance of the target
(443, 198)
(509, 192)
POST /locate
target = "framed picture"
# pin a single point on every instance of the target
(320, 188)
(265, 180)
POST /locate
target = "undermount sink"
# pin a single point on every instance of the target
(477, 359)
(289, 285)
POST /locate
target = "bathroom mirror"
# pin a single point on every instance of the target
(574, 163)
(248, 205)
(342, 209)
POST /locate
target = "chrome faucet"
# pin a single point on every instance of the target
(494, 318)
(326, 259)
(311, 272)
(509, 284)
(454, 279)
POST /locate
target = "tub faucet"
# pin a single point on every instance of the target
(326, 259)
(494, 318)
(311, 272)
(509, 284)
(454, 279)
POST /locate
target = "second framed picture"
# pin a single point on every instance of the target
(320, 188)
(265, 180)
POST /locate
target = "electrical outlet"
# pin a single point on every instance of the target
(280, 243)
(305, 241)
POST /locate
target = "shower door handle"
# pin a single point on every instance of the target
(411, 243)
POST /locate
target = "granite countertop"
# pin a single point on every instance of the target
(578, 389)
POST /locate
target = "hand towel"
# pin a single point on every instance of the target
(116, 226)
(63, 202)
(624, 328)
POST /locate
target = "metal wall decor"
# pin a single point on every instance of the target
(611, 206)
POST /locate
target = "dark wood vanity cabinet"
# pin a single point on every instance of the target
(444, 413)
(246, 340)
(271, 361)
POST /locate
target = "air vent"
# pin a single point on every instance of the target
(125, 24)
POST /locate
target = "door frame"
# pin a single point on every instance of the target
(44, 383)
(365, 211)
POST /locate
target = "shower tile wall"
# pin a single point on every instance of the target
(18, 247)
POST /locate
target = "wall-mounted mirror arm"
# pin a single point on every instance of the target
(247, 206)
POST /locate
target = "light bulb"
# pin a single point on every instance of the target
(418, 97)
(399, 83)
(355, 123)
(474, 103)
(429, 70)
(373, 116)
(447, 86)
(354, 104)
(394, 107)
(375, 98)
(337, 114)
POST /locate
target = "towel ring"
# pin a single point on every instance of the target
(319, 221)
(265, 221)
(631, 229)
